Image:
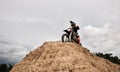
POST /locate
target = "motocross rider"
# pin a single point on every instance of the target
(75, 29)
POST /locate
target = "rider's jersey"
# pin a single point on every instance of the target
(75, 29)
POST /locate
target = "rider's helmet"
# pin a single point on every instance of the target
(72, 24)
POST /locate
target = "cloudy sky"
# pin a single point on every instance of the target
(26, 24)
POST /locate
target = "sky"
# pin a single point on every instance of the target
(26, 24)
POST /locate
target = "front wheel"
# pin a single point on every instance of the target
(65, 38)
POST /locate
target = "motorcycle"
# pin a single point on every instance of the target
(70, 36)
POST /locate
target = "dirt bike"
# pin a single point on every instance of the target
(70, 36)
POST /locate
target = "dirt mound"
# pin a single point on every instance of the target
(63, 57)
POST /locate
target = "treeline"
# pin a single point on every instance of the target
(109, 56)
(5, 67)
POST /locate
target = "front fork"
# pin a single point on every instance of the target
(70, 39)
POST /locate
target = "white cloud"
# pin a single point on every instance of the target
(36, 21)
(11, 52)
(102, 39)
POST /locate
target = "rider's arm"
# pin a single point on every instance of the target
(77, 27)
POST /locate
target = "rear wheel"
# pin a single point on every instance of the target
(65, 38)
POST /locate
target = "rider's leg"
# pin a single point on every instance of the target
(78, 37)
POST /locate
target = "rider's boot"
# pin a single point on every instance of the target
(78, 37)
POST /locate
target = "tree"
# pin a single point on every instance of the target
(109, 56)
(5, 67)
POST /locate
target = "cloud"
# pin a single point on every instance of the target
(103, 39)
(11, 52)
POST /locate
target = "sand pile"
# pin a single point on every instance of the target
(63, 57)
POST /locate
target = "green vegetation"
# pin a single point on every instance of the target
(109, 56)
(5, 67)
